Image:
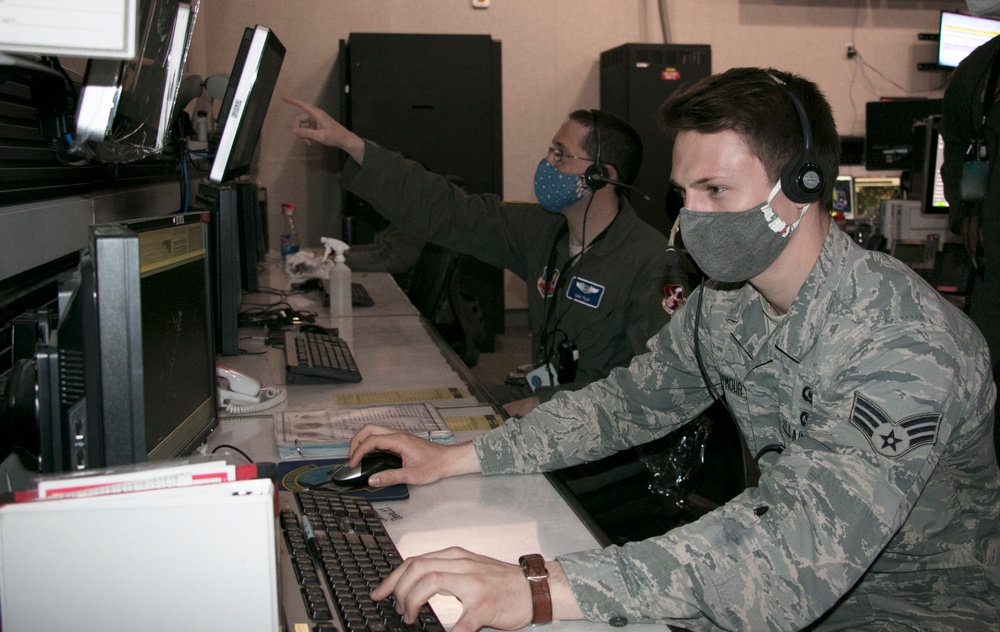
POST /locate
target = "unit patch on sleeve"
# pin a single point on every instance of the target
(673, 298)
(585, 292)
(893, 438)
(546, 288)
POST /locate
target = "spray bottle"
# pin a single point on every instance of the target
(340, 277)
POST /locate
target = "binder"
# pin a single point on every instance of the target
(199, 557)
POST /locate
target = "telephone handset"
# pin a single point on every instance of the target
(236, 387)
(240, 394)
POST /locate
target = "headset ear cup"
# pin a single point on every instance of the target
(596, 177)
(802, 180)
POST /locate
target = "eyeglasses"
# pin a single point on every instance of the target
(558, 155)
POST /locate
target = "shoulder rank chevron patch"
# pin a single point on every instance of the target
(893, 438)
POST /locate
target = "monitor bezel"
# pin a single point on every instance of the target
(245, 85)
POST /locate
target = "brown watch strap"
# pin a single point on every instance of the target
(534, 569)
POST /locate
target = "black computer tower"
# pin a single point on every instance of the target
(635, 81)
(435, 99)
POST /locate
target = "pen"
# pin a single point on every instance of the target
(312, 542)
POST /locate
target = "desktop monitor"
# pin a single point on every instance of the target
(127, 374)
(889, 131)
(926, 183)
(843, 196)
(960, 34)
(241, 115)
(222, 204)
(869, 193)
(126, 108)
(253, 244)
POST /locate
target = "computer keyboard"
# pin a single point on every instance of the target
(335, 550)
(312, 354)
(360, 296)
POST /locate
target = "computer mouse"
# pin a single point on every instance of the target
(371, 463)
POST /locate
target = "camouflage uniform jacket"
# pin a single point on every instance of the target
(882, 506)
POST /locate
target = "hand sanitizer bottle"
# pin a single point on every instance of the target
(340, 278)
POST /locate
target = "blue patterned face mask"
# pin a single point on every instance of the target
(556, 191)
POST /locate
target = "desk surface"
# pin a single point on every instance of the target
(500, 516)
(389, 299)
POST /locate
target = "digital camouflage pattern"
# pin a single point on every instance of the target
(880, 512)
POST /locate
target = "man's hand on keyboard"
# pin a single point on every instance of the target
(494, 594)
(424, 461)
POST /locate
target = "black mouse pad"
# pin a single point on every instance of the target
(313, 475)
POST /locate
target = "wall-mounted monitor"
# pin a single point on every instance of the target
(241, 115)
(961, 34)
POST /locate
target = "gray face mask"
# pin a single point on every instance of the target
(984, 8)
(732, 247)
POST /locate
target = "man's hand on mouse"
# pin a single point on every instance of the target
(424, 461)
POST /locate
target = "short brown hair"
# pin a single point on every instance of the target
(753, 103)
(620, 144)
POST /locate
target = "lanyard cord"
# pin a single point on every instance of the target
(575, 260)
(751, 470)
(553, 298)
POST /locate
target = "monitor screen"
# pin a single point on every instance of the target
(128, 373)
(869, 193)
(926, 183)
(241, 115)
(961, 34)
(126, 109)
(935, 201)
(889, 131)
(843, 196)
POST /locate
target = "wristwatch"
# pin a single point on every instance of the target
(534, 569)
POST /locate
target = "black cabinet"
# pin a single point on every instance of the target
(635, 81)
(435, 99)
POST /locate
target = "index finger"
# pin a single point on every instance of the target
(299, 103)
(368, 430)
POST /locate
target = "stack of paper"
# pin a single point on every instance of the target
(323, 434)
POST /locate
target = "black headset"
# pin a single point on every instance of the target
(802, 178)
(596, 176)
